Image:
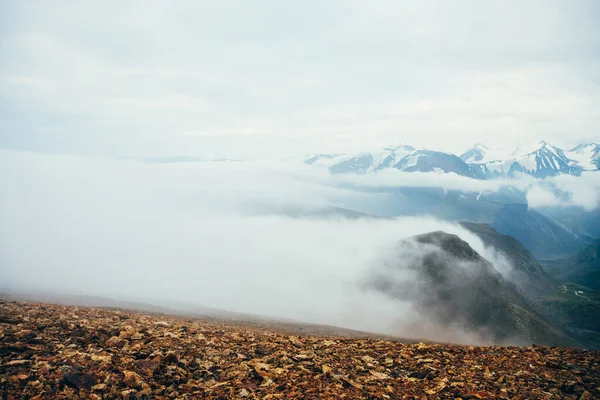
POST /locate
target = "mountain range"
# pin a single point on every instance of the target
(539, 160)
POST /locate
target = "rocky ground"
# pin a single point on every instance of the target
(66, 352)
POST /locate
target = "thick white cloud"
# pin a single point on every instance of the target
(210, 233)
(583, 191)
(542, 197)
(183, 232)
(558, 191)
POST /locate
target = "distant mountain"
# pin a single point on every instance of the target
(582, 268)
(402, 158)
(480, 153)
(540, 160)
(454, 285)
(475, 154)
(586, 156)
(544, 238)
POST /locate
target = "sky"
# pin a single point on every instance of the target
(278, 79)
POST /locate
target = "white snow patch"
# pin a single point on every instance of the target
(489, 154)
(584, 157)
(528, 162)
(556, 165)
(500, 167)
(412, 161)
(378, 158)
(526, 149)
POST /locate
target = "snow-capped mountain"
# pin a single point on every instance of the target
(475, 154)
(585, 156)
(540, 160)
(403, 158)
(480, 153)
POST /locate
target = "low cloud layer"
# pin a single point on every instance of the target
(198, 233)
(567, 190)
(558, 191)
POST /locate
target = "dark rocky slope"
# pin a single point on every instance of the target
(527, 273)
(455, 286)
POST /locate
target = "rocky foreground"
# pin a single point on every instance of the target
(66, 352)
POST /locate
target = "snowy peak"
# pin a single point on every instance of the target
(540, 159)
(585, 146)
(480, 153)
(585, 156)
(550, 159)
(401, 147)
(547, 148)
(526, 149)
(476, 153)
(403, 158)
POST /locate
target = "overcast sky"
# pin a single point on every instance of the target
(278, 78)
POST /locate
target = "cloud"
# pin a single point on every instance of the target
(394, 178)
(557, 191)
(540, 197)
(581, 191)
(190, 232)
(566, 191)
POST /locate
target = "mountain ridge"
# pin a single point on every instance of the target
(403, 158)
(455, 286)
(540, 160)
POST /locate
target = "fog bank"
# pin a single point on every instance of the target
(188, 233)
